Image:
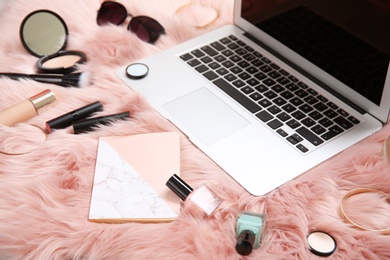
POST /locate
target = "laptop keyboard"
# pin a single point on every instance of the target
(296, 112)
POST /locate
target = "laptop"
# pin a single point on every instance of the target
(287, 86)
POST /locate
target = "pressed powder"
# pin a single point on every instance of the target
(321, 243)
(61, 61)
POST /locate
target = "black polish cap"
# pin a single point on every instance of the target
(179, 187)
(67, 119)
(86, 125)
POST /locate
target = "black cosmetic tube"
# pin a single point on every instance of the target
(67, 119)
(87, 125)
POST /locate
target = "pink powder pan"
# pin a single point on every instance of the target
(61, 62)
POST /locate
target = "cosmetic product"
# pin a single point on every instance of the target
(249, 226)
(26, 109)
(44, 34)
(64, 80)
(137, 70)
(86, 125)
(67, 119)
(321, 243)
(203, 198)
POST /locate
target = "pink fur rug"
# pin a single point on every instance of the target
(45, 191)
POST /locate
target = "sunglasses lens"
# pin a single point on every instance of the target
(146, 28)
(111, 12)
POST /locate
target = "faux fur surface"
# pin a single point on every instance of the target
(46, 181)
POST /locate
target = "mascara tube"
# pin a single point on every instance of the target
(87, 125)
(66, 120)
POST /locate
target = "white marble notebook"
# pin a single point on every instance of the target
(122, 193)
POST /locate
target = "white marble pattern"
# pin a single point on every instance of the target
(119, 192)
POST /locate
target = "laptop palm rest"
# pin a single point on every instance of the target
(205, 116)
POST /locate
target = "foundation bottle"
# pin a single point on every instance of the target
(26, 109)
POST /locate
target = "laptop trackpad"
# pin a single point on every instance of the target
(206, 116)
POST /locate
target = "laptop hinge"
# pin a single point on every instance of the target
(306, 74)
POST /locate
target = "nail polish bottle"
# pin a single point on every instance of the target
(248, 231)
(26, 109)
(202, 197)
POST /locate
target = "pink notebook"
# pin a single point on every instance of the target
(130, 176)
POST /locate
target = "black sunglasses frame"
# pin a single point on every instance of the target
(151, 26)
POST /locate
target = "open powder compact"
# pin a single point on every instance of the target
(44, 34)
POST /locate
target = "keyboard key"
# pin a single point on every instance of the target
(325, 122)
(293, 123)
(274, 110)
(344, 123)
(230, 77)
(302, 148)
(227, 53)
(186, 56)
(309, 135)
(265, 103)
(217, 46)
(294, 139)
(210, 75)
(255, 96)
(198, 53)
(202, 68)
(282, 132)
(308, 122)
(261, 88)
(220, 58)
(237, 95)
(283, 116)
(275, 124)
(353, 120)
(247, 90)
(330, 113)
(193, 62)
(318, 129)
(264, 116)
(214, 65)
(279, 101)
(333, 131)
(210, 51)
(206, 59)
(239, 83)
(222, 71)
(298, 115)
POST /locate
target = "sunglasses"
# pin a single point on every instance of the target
(146, 28)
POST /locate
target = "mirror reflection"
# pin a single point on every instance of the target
(43, 33)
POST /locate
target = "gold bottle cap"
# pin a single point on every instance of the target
(42, 99)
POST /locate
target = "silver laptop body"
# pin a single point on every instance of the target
(258, 157)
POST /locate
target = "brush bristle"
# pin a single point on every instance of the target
(75, 80)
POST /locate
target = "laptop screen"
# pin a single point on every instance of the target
(349, 39)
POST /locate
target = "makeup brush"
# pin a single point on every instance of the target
(64, 80)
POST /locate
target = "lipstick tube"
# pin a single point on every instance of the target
(66, 120)
(202, 197)
(86, 125)
(26, 109)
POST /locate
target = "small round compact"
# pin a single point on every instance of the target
(137, 70)
(44, 34)
(321, 243)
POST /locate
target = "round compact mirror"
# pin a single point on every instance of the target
(137, 70)
(43, 32)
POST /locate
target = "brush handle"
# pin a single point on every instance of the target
(43, 78)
